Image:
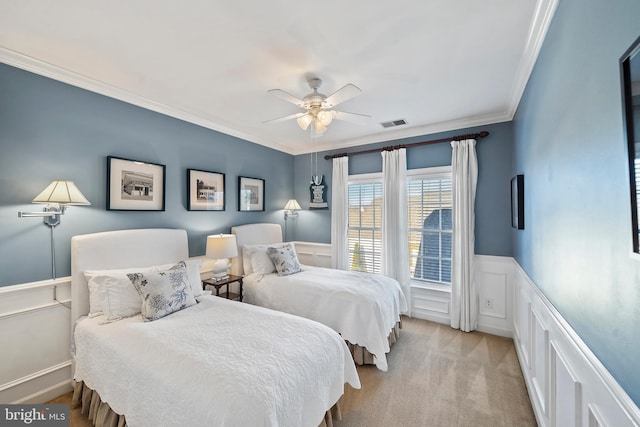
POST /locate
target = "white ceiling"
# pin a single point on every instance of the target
(438, 64)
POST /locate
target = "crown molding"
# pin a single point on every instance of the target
(429, 129)
(54, 72)
(545, 10)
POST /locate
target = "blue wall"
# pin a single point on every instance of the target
(50, 130)
(493, 208)
(569, 143)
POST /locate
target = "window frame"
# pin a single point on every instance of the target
(435, 172)
(359, 179)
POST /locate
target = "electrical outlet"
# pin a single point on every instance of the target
(488, 303)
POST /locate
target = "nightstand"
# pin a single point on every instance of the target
(224, 282)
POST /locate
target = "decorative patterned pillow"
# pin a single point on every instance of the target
(163, 292)
(285, 259)
(193, 274)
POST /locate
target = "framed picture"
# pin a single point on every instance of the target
(250, 194)
(630, 76)
(134, 186)
(205, 190)
(517, 202)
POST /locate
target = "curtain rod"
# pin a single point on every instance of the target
(482, 134)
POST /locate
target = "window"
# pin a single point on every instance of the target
(430, 224)
(364, 230)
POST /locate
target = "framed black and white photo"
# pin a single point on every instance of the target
(517, 202)
(250, 194)
(205, 190)
(134, 185)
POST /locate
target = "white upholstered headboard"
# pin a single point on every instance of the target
(120, 249)
(253, 234)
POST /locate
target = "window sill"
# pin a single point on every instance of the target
(430, 286)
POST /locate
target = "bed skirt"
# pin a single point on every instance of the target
(361, 355)
(101, 415)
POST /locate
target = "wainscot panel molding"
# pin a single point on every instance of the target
(35, 336)
(316, 254)
(568, 385)
(493, 276)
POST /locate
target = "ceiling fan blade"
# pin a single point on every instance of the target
(347, 91)
(352, 117)
(285, 118)
(287, 97)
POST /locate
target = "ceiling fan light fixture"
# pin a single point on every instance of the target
(326, 117)
(304, 121)
(318, 106)
(319, 126)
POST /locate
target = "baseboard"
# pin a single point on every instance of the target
(420, 314)
(48, 394)
(38, 387)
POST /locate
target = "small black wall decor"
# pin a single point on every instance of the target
(318, 192)
(517, 202)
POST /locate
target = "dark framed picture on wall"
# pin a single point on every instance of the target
(250, 194)
(133, 185)
(630, 76)
(205, 190)
(517, 202)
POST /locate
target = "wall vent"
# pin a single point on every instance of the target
(394, 123)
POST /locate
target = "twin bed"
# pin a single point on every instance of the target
(364, 308)
(214, 362)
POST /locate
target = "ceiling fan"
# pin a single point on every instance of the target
(319, 106)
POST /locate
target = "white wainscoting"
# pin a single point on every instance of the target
(35, 336)
(568, 385)
(318, 254)
(493, 277)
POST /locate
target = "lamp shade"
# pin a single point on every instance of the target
(221, 246)
(292, 205)
(326, 117)
(305, 121)
(62, 193)
(319, 126)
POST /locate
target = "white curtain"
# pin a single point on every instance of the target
(339, 213)
(464, 298)
(395, 232)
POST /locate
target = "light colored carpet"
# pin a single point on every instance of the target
(437, 376)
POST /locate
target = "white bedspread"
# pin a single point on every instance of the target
(362, 307)
(218, 363)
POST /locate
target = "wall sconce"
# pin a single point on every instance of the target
(221, 247)
(56, 196)
(290, 209)
(290, 212)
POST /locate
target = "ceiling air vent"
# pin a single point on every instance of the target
(394, 123)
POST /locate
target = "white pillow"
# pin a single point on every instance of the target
(246, 260)
(112, 294)
(193, 274)
(256, 257)
(163, 291)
